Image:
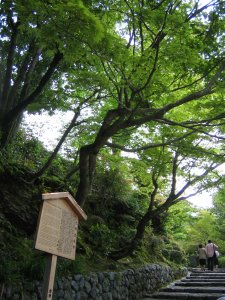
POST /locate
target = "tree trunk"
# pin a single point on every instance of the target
(8, 131)
(87, 165)
(143, 223)
(136, 241)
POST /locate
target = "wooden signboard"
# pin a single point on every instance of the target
(57, 232)
(58, 224)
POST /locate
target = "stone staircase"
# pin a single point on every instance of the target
(198, 284)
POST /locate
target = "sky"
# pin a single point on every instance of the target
(47, 129)
(202, 200)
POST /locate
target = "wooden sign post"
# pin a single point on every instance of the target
(57, 233)
(49, 277)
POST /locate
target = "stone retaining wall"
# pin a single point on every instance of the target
(126, 285)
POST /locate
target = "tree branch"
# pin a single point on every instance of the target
(192, 125)
(196, 11)
(28, 74)
(174, 176)
(148, 146)
(9, 66)
(32, 97)
(197, 179)
(72, 124)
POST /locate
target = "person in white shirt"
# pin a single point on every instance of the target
(210, 251)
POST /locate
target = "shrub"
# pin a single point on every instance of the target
(221, 260)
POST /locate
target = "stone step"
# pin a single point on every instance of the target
(183, 296)
(195, 289)
(200, 283)
(196, 286)
(147, 298)
(210, 280)
(207, 276)
(198, 270)
(204, 273)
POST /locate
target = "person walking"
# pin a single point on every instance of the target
(202, 256)
(210, 251)
(216, 261)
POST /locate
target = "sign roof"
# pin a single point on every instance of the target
(70, 200)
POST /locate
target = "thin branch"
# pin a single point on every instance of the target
(32, 97)
(20, 75)
(57, 148)
(196, 11)
(29, 72)
(132, 35)
(155, 45)
(208, 89)
(72, 171)
(109, 76)
(154, 192)
(151, 73)
(23, 77)
(194, 82)
(11, 53)
(192, 125)
(72, 124)
(200, 190)
(158, 5)
(191, 182)
(148, 146)
(174, 175)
